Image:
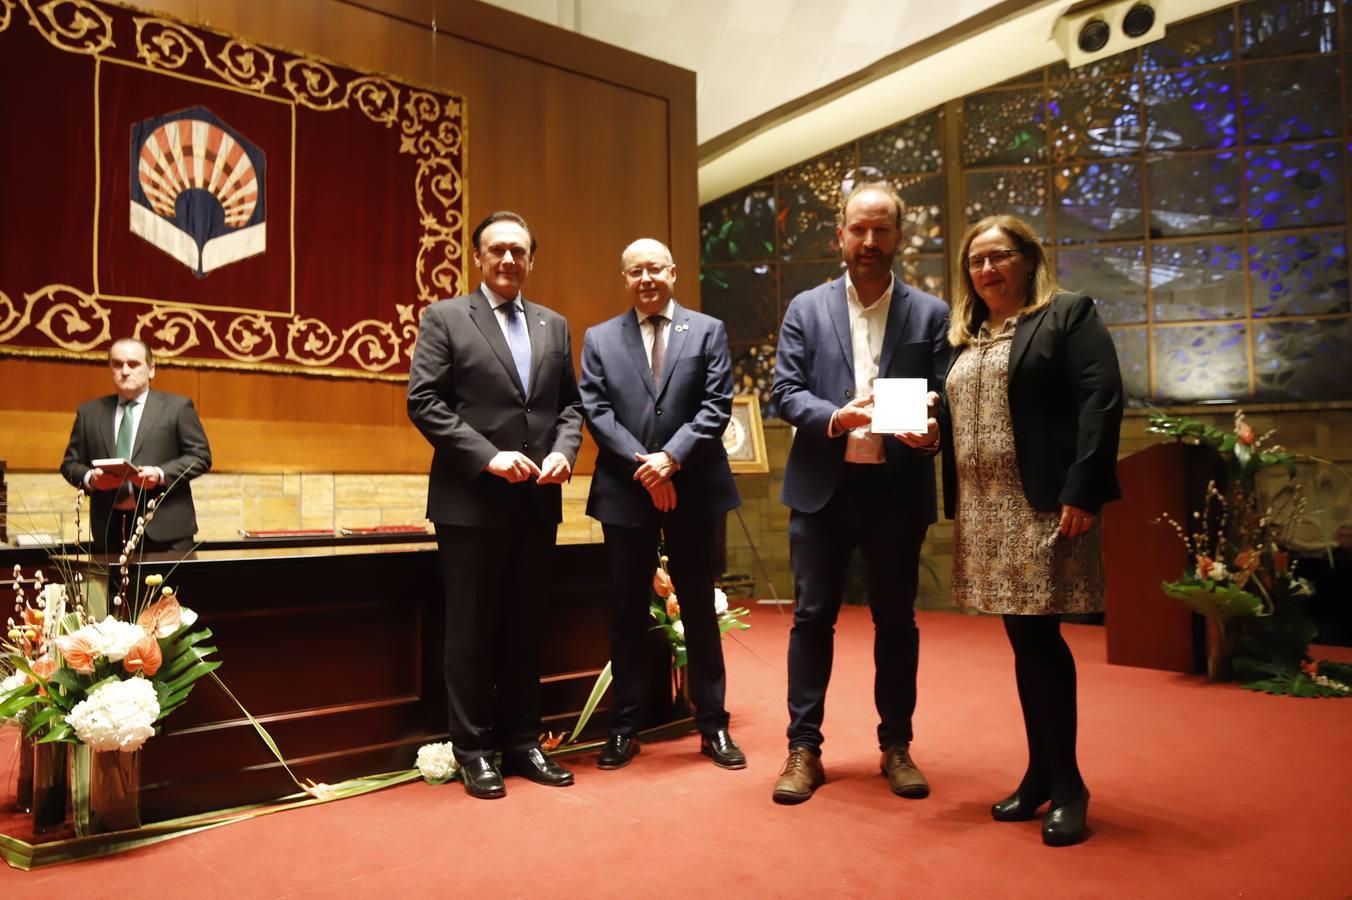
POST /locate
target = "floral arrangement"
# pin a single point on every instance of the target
(666, 612)
(1240, 572)
(437, 763)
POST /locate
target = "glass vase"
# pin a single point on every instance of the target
(113, 793)
(23, 788)
(49, 786)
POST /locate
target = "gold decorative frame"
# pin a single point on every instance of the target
(429, 123)
(744, 438)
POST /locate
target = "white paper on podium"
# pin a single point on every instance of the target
(899, 405)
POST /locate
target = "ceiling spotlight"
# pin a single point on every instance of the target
(1138, 20)
(1094, 36)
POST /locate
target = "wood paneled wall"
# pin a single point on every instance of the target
(594, 145)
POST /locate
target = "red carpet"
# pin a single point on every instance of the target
(1198, 791)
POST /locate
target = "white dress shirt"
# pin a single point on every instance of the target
(499, 305)
(867, 325)
(648, 329)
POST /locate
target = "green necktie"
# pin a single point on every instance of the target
(124, 431)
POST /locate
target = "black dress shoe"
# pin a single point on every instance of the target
(722, 749)
(1065, 825)
(619, 749)
(482, 779)
(1018, 807)
(534, 766)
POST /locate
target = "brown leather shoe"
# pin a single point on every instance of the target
(802, 774)
(903, 775)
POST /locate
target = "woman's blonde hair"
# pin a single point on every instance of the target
(968, 310)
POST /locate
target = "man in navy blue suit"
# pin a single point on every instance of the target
(848, 488)
(657, 393)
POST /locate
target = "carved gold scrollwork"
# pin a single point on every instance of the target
(70, 318)
(372, 344)
(377, 98)
(167, 45)
(173, 331)
(74, 25)
(6, 13)
(314, 85)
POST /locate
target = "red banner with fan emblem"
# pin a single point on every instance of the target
(229, 203)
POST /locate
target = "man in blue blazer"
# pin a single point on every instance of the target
(848, 488)
(492, 389)
(657, 393)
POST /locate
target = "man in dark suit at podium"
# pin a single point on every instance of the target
(657, 391)
(492, 389)
(160, 434)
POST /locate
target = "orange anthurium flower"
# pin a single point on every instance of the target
(662, 583)
(1203, 566)
(1280, 560)
(162, 617)
(44, 668)
(144, 656)
(78, 653)
(673, 607)
(1244, 431)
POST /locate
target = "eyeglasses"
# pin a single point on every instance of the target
(996, 258)
(653, 270)
(500, 251)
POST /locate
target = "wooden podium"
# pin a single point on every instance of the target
(1145, 627)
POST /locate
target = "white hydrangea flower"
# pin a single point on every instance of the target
(120, 715)
(186, 618)
(437, 762)
(112, 637)
(1218, 572)
(720, 601)
(679, 627)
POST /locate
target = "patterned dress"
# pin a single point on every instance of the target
(1007, 556)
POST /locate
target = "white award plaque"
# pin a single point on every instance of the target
(899, 405)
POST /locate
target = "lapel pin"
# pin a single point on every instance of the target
(682, 327)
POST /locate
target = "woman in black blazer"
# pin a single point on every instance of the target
(1033, 408)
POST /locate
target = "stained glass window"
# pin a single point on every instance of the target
(1292, 360)
(1284, 27)
(924, 272)
(1190, 110)
(1298, 274)
(912, 146)
(1095, 118)
(1194, 194)
(744, 298)
(1198, 280)
(1196, 42)
(1133, 358)
(1290, 100)
(1098, 201)
(1201, 362)
(922, 226)
(753, 372)
(1003, 127)
(1113, 274)
(1022, 192)
(739, 227)
(809, 195)
(1299, 184)
(794, 278)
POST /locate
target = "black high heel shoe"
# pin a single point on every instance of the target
(1019, 807)
(1065, 825)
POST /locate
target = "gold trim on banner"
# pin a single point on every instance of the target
(166, 44)
(432, 129)
(176, 330)
(65, 321)
(75, 25)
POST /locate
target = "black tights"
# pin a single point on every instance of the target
(1045, 671)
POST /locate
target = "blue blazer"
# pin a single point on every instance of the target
(814, 376)
(685, 415)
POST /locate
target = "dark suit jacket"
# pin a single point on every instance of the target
(465, 397)
(814, 376)
(1065, 403)
(685, 416)
(169, 436)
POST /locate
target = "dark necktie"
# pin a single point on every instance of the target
(518, 340)
(659, 346)
(125, 429)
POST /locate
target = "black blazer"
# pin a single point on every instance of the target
(466, 398)
(169, 436)
(1065, 402)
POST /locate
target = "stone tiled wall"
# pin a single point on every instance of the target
(42, 503)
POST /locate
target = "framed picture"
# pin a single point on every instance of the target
(744, 439)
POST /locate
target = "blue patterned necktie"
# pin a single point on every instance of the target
(518, 340)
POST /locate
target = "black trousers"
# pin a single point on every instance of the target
(862, 513)
(691, 552)
(494, 579)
